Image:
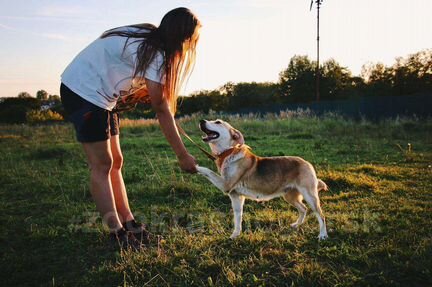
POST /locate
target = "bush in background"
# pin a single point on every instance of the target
(36, 116)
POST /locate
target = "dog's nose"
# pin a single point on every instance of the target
(202, 122)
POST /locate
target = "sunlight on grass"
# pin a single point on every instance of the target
(376, 209)
(127, 123)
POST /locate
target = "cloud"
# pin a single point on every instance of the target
(57, 37)
(61, 11)
(6, 27)
(53, 36)
(54, 12)
(52, 18)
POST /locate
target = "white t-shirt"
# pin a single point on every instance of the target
(103, 71)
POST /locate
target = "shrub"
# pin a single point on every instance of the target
(36, 116)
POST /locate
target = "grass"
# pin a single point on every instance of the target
(378, 209)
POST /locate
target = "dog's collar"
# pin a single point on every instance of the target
(225, 153)
(220, 158)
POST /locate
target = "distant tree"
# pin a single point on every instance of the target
(425, 72)
(357, 88)
(227, 89)
(414, 73)
(297, 82)
(409, 75)
(336, 81)
(24, 95)
(251, 95)
(203, 101)
(54, 98)
(378, 79)
(14, 110)
(42, 95)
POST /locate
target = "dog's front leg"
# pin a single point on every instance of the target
(237, 202)
(213, 177)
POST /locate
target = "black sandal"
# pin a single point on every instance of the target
(126, 240)
(139, 230)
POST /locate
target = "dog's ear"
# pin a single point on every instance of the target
(237, 136)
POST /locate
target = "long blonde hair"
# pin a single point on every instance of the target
(177, 37)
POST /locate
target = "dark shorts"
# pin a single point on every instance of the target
(92, 123)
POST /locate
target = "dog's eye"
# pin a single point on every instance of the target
(218, 122)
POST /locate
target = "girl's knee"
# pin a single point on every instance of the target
(117, 162)
(102, 166)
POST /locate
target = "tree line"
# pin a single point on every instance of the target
(25, 108)
(296, 84)
(408, 75)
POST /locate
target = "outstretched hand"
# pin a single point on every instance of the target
(187, 163)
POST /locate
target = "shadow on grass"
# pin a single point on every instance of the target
(52, 256)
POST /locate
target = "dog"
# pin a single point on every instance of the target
(246, 175)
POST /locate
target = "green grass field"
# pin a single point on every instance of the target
(378, 209)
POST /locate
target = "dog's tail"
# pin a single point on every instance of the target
(322, 186)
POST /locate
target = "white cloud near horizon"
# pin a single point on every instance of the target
(53, 36)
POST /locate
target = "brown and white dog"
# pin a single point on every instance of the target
(245, 175)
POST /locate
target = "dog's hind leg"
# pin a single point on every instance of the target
(295, 198)
(311, 197)
(237, 202)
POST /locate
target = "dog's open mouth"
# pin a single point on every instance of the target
(209, 134)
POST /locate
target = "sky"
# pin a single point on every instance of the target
(241, 40)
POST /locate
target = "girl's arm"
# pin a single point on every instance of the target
(166, 120)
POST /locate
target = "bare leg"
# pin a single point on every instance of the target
(237, 202)
(295, 198)
(100, 160)
(118, 186)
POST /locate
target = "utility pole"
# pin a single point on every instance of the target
(317, 73)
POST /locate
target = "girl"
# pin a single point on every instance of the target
(141, 62)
